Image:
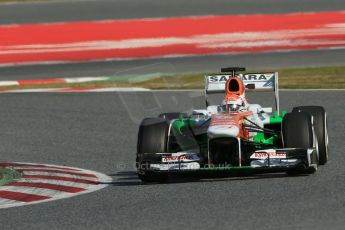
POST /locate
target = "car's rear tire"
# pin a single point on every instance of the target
(297, 132)
(320, 125)
(152, 138)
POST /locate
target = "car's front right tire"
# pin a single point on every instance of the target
(320, 124)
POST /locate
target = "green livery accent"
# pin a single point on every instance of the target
(179, 128)
(180, 123)
(276, 118)
(182, 133)
(260, 138)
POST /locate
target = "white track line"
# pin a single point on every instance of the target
(71, 90)
(61, 175)
(8, 202)
(45, 166)
(9, 83)
(58, 182)
(53, 171)
(34, 191)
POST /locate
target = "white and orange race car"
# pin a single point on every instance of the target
(234, 136)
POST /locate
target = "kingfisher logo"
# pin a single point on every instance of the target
(177, 158)
(272, 155)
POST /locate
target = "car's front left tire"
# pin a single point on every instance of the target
(152, 138)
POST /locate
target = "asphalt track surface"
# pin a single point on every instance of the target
(97, 131)
(59, 11)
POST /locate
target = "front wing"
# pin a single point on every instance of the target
(261, 161)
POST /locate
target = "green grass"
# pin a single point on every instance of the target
(296, 78)
(323, 77)
(8, 175)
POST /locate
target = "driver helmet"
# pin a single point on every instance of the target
(232, 103)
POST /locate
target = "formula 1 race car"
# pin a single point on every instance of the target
(233, 136)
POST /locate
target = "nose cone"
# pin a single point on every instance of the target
(223, 131)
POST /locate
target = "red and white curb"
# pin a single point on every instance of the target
(65, 80)
(75, 90)
(170, 37)
(43, 182)
(53, 80)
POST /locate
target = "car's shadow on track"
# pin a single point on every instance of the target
(130, 178)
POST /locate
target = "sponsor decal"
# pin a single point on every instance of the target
(254, 77)
(264, 155)
(176, 166)
(218, 78)
(260, 81)
(244, 77)
(175, 158)
(224, 120)
(233, 119)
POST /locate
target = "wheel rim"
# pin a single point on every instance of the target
(326, 136)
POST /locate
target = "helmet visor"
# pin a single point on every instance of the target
(230, 108)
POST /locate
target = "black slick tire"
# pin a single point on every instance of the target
(320, 125)
(297, 132)
(152, 138)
